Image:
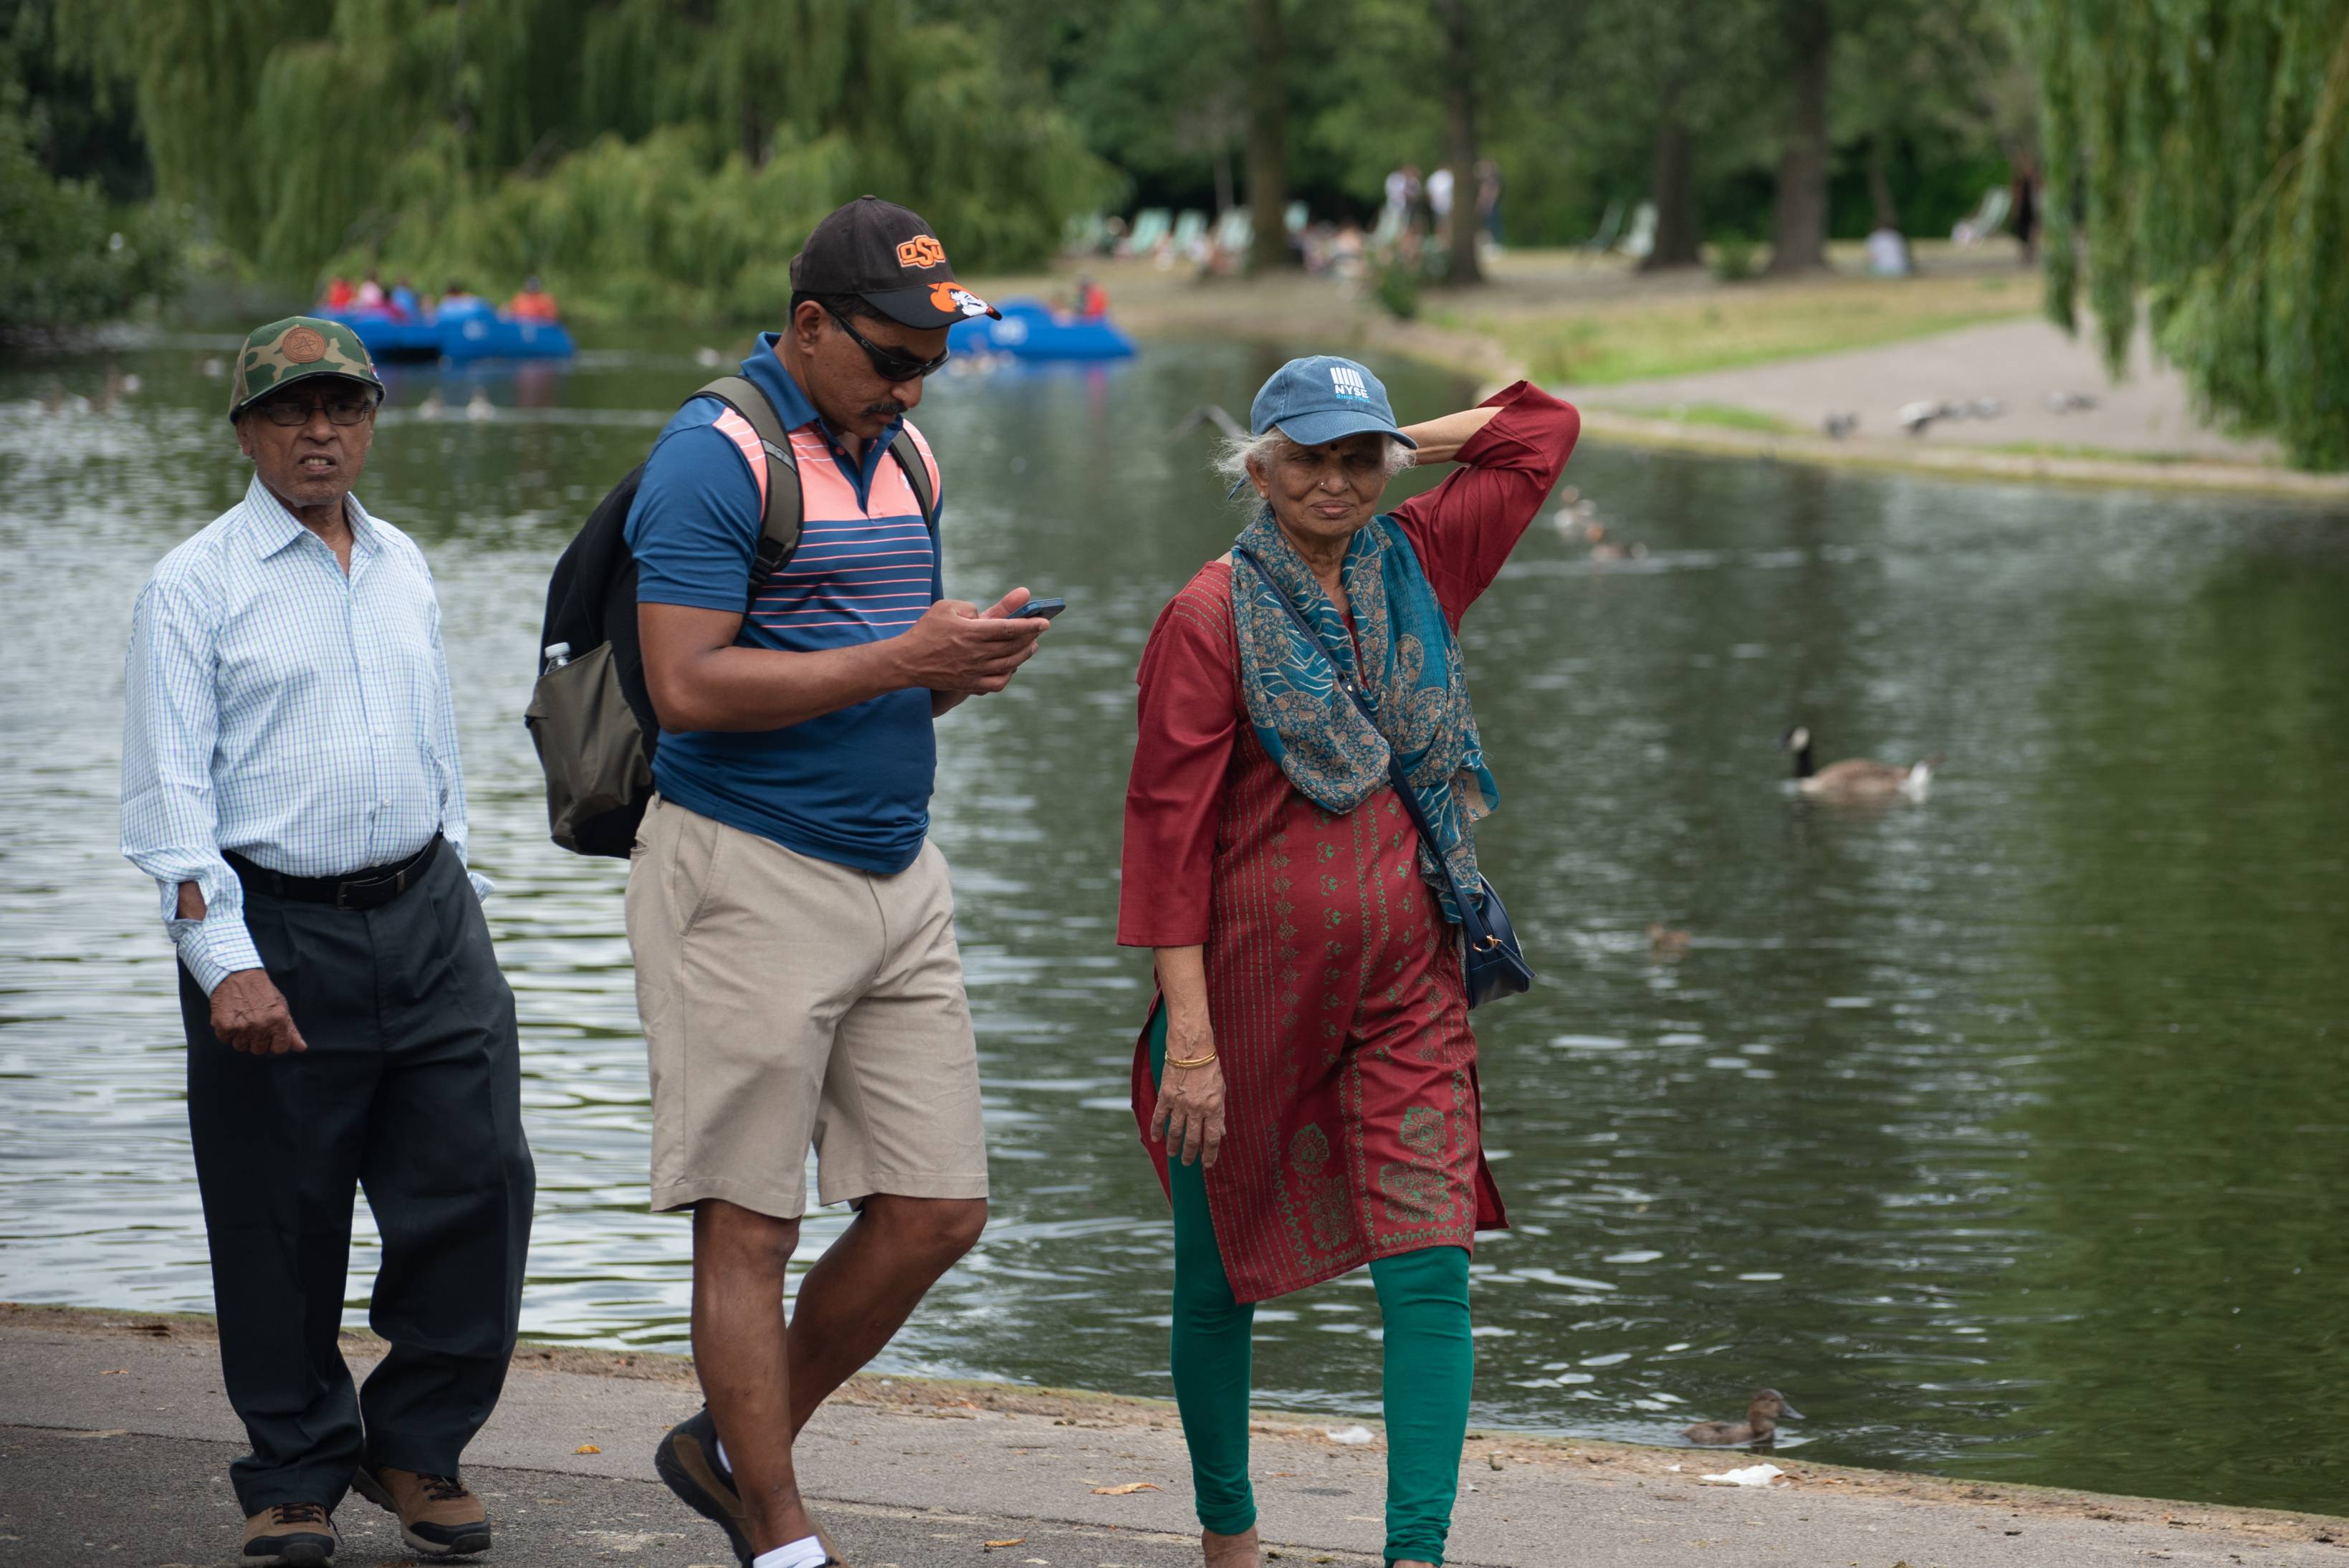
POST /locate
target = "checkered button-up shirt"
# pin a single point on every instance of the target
(279, 708)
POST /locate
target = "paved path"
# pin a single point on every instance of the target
(2017, 362)
(114, 1443)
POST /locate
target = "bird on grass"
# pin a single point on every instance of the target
(1760, 1426)
(1856, 778)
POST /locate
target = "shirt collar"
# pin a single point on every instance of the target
(766, 371)
(275, 526)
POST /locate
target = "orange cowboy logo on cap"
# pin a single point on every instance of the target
(951, 295)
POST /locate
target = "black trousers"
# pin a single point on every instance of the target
(410, 1089)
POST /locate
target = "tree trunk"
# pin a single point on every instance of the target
(753, 132)
(1268, 139)
(1457, 20)
(1799, 229)
(1672, 188)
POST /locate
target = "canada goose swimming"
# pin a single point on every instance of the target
(1856, 778)
(1760, 1426)
(1602, 549)
(1567, 520)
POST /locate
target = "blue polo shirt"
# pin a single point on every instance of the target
(853, 787)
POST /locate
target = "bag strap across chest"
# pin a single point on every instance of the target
(767, 447)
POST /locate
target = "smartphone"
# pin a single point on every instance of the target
(1042, 609)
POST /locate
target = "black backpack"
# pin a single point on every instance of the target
(589, 714)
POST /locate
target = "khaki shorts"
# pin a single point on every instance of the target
(788, 1001)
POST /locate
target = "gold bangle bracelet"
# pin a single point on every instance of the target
(1192, 1062)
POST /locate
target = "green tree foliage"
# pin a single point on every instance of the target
(67, 258)
(2207, 145)
(643, 153)
(69, 255)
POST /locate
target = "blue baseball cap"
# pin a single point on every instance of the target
(1321, 398)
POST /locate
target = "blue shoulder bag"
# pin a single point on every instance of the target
(1492, 963)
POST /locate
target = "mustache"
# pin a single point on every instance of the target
(887, 408)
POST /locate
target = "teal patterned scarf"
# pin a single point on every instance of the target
(1409, 667)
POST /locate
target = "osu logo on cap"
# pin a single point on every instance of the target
(922, 250)
(951, 295)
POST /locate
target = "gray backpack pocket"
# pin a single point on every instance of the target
(590, 744)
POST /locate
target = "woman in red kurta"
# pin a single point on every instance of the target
(1311, 1032)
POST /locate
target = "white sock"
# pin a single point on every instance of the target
(803, 1553)
(807, 1553)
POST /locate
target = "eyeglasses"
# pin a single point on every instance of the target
(292, 408)
(891, 365)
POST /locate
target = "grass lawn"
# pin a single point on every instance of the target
(1635, 334)
(1721, 416)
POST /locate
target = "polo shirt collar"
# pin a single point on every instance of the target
(765, 369)
(275, 526)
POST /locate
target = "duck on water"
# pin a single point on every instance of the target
(1855, 779)
(1760, 1426)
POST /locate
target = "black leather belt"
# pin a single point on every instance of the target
(368, 890)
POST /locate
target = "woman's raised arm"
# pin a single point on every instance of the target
(1465, 528)
(1439, 439)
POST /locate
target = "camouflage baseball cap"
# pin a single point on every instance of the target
(288, 351)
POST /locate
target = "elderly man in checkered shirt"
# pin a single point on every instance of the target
(290, 781)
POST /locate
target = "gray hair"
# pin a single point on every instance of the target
(1233, 455)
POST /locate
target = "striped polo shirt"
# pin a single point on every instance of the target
(854, 786)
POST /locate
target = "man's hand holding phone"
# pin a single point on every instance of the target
(957, 650)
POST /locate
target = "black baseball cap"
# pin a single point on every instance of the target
(886, 256)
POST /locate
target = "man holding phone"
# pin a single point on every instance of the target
(792, 926)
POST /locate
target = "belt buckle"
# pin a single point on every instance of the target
(346, 891)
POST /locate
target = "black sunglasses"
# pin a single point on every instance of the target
(890, 364)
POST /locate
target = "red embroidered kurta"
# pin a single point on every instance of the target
(1352, 1121)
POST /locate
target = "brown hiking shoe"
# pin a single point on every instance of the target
(300, 1534)
(439, 1516)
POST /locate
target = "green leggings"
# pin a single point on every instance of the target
(1429, 1366)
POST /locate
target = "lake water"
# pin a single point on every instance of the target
(2007, 1133)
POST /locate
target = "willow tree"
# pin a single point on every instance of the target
(2205, 145)
(660, 153)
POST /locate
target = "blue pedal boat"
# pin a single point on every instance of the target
(472, 331)
(1030, 329)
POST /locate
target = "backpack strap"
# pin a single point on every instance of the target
(918, 474)
(779, 482)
